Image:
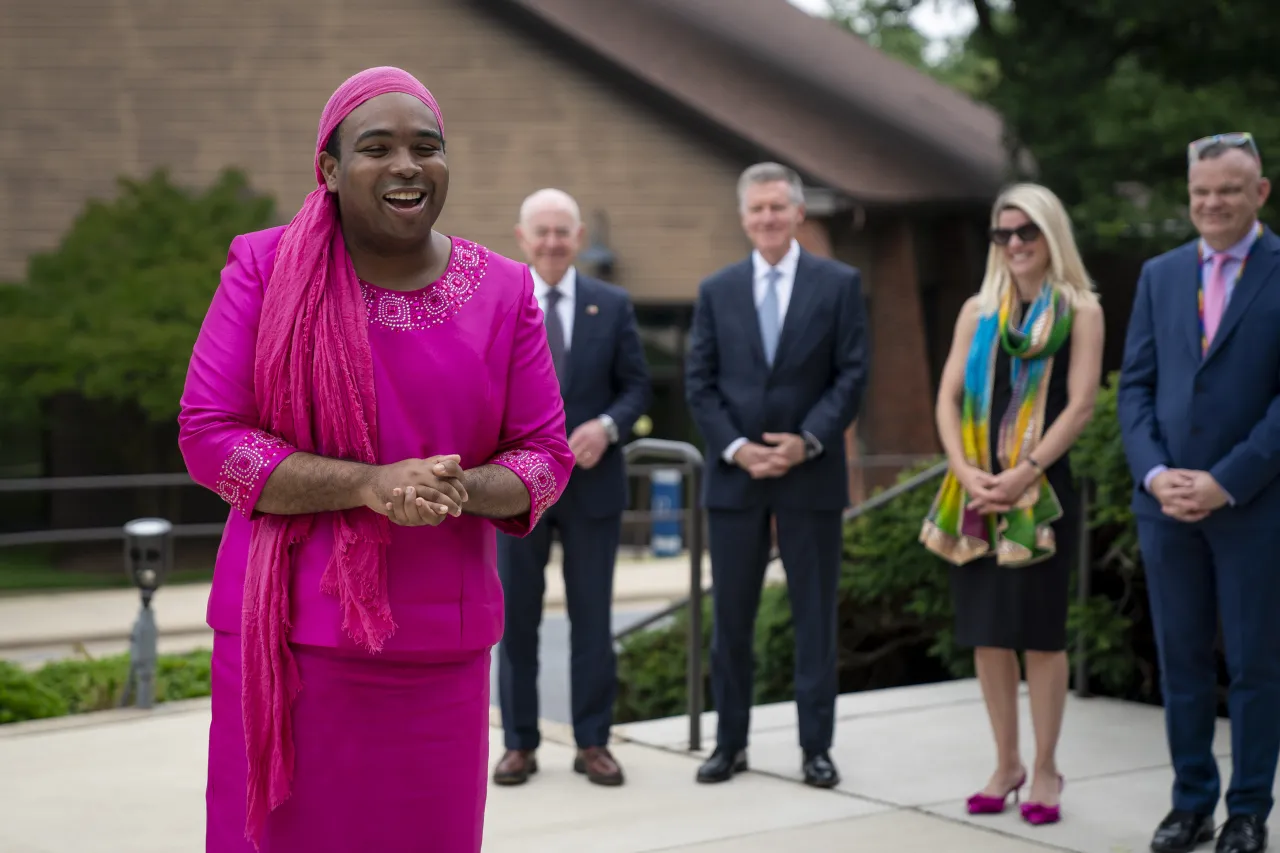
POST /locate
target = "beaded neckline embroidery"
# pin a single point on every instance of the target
(438, 302)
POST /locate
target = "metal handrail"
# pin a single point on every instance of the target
(110, 481)
(1081, 687)
(689, 461)
(680, 451)
(58, 536)
(874, 502)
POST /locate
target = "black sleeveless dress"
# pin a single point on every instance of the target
(1023, 608)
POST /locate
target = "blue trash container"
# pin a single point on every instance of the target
(666, 487)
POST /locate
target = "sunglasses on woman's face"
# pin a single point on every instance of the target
(1028, 233)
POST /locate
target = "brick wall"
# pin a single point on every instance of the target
(92, 90)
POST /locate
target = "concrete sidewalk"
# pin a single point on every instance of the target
(128, 780)
(104, 618)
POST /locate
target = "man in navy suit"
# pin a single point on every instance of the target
(595, 345)
(775, 376)
(1199, 404)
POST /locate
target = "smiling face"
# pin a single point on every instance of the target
(1026, 250)
(550, 234)
(390, 176)
(1226, 193)
(770, 217)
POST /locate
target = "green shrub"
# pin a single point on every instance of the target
(96, 685)
(124, 294)
(895, 606)
(652, 665)
(77, 686)
(22, 697)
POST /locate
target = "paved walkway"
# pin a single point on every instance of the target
(127, 780)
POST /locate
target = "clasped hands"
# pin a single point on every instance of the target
(781, 452)
(1187, 495)
(418, 492)
(994, 493)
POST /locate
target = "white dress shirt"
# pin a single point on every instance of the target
(759, 286)
(564, 308)
(786, 281)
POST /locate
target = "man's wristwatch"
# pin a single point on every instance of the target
(610, 428)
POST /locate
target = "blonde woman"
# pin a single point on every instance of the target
(1017, 389)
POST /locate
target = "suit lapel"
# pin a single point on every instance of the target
(1186, 302)
(798, 309)
(584, 300)
(1258, 269)
(744, 301)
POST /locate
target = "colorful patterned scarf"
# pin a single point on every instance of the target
(1022, 535)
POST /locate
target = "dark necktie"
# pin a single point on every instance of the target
(555, 331)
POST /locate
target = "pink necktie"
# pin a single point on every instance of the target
(1215, 296)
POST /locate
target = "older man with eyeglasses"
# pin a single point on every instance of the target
(1200, 415)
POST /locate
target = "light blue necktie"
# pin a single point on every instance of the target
(769, 322)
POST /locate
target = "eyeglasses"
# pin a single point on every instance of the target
(1244, 139)
(1027, 233)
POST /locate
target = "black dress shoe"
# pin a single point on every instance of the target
(1182, 832)
(1243, 833)
(820, 771)
(722, 765)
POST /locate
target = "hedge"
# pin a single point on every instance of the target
(80, 685)
(895, 610)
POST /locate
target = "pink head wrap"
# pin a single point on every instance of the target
(313, 379)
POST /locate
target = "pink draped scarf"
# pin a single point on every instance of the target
(313, 379)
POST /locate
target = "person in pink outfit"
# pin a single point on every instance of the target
(372, 399)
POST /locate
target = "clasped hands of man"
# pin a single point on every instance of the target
(781, 452)
(438, 490)
(1187, 495)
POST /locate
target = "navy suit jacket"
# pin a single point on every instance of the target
(1218, 413)
(815, 385)
(606, 374)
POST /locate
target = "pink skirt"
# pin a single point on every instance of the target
(392, 755)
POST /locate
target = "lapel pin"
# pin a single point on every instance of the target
(592, 309)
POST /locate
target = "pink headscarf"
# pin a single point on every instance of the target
(313, 379)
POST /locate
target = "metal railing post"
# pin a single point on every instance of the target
(690, 462)
(1084, 569)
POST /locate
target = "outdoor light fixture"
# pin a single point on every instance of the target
(148, 557)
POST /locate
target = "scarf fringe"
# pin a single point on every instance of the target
(1024, 535)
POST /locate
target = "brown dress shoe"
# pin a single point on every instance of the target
(515, 767)
(599, 766)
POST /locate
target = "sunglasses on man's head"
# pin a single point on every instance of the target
(1027, 233)
(1197, 149)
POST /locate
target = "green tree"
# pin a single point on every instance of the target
(1101, 97)
(886, 25)
(111, 314)
(1105, 96)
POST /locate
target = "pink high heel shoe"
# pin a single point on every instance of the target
(1038, 814)
(986, 804)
